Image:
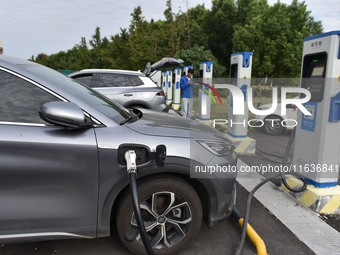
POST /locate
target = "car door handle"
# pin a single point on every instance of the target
(128, 95)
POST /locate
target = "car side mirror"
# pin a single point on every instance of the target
(64, 114)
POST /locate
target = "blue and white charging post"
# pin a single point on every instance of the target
(169, 87)
(185, 69)
(204, 99)
(177, 90)
(240, 76)
(317, 141)
(164, 82)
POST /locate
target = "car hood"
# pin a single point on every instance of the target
(172, 125)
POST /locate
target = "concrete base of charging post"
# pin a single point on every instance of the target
(320, 200)
(243, 145)
(209, 122)
(176, 106)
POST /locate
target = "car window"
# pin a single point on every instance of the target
(91, 97)
(85, 78)
(110, 80)
(20, 101)
(135, 80)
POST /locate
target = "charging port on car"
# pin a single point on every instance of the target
(140, 150)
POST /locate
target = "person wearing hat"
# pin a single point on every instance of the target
(187, 85)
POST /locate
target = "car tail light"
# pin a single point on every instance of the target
(160, 94)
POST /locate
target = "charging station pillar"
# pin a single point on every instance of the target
(240, 76)
(185, 69)
(169, 88)
(204, 99)
(177, 90)
(156, 76)
(164, 82)
(317, 142)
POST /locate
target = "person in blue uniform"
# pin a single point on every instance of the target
(187, 85)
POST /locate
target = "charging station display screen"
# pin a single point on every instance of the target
(313, 75)
(233, 74)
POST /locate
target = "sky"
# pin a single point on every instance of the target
(28, 28)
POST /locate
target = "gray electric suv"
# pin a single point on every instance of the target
(63, 172)
(128, 88)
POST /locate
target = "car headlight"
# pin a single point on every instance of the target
(217, 148)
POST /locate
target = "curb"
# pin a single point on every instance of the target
(243, 146)
(320, 200)
(320, 237)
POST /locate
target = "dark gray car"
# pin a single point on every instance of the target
(63, 173)
(128, 88)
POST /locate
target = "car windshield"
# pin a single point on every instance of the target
(93, 98)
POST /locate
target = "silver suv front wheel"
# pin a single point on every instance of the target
(171, 211)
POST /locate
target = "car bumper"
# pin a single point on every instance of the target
(224, 184)
(166, 109)
(161, 108)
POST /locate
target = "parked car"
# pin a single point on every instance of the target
(128, 88)
(63, 172)
(273, 122)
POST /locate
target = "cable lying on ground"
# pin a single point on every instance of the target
(250, 196)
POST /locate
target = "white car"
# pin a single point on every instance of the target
(128, 88)
(272, 123)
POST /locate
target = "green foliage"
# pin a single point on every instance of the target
(197, 55)
(219, 27)
(276, 36)
(197, 17)
(274, 33)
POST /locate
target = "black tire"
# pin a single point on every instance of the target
(167, 193)
(273, 127)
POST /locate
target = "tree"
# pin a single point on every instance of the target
(120, 50)
(276, 36)
(96, 39)
(198, 17)
(99, 53)
(219, 27)
(147, 41)
(246, 9)
(197, 55)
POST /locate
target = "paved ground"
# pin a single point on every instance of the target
(221, 239)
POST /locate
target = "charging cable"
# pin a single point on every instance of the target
(250, 196)
(130, 157)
